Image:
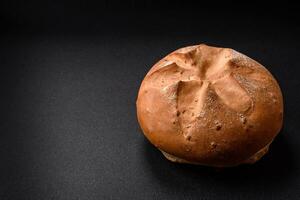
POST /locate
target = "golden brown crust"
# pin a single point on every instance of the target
(208, 105)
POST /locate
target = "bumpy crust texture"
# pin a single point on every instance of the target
(210, 106)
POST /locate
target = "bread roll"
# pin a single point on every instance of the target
(210, 106)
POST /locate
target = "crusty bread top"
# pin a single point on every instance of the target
(213, 106)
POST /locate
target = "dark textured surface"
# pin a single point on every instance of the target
(68, 125)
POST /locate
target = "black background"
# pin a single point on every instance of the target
(70, 73)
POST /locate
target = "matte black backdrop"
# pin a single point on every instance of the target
(70, 73)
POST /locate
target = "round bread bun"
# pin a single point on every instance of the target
(210, 106)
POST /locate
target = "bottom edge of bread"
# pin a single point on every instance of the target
(254, 158)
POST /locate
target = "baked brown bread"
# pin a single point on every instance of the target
(210, 106)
